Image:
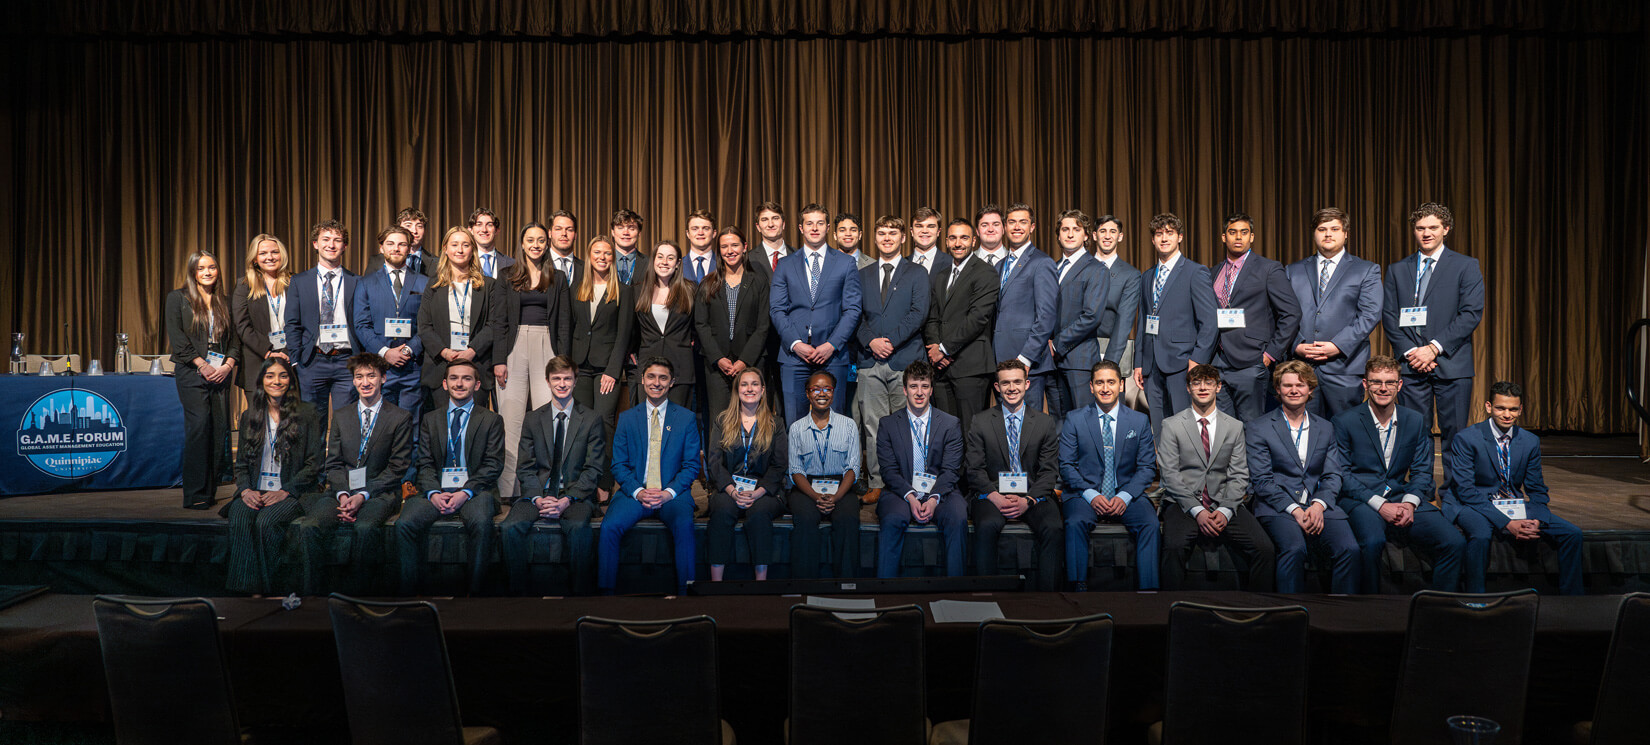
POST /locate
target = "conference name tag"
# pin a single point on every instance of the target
(1151, 325)
(269, 481)
(744, 483)
(1411, 317)
(826, 487)
(453, 478)
(1512, 508)
(458, 341)
(277, 340)
(398, 328)
(1229, 318)
(357, 478)
(214, 359)
(923, 483)
(334, 333)
(1011, 482)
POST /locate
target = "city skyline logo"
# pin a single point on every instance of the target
(71, 433)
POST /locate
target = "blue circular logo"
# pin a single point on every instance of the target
(71, 433)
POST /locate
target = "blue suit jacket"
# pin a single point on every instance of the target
(1271, 313)
(1276, 473)
(374, 302)
(692, 272)
(1082, 300)
(900, 321)
(679, 460)
(1186, 328)
(831, 315)
(1474, 478)
(1081, 451)
(1364, 476)
(303, 313)
(1122, 302)
(945, 452)
(1454, 302)
(1344, 316)
(1025, 325)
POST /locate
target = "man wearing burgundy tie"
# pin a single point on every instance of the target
(1205, 474)
(1258, 317)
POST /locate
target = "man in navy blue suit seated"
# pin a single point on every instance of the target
(1107, 460)
(655, 459)
(920, 452)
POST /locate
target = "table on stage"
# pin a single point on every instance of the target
(71, 433)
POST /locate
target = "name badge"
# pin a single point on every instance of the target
(269, 481)
(826, 487)
(1229, 318)
(398, 328)
(1512, 508)
(1151, 325)
(214, 359)
(277, 340)
(454, 478)
(334, 333)
(458, 341)
(922, 483)
(853, 373)
(357, 479)
(744, 483)
(1409, 317)
(1010, 482)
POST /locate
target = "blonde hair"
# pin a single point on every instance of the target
(767, 425)
(472, 273)
(255, 274)
(587, 283)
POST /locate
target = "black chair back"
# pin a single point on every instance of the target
(1618, 717)
(670, 665)
(398, 685)
(1235, 675)
(1061, 665)
(857, 681)
(165, 664)
(1464, 654)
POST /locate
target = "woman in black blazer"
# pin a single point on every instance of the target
(748, 441)
(258, 306)
(282, 446)
(664, 319)
(731, 318)
(458, 286)
(536, 315)
(205, 350)
(604, 326)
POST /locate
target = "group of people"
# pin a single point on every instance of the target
(983, 379)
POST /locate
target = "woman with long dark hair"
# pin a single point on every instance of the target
(537, 318)
(664, 319)
(205, 350)
(282, 446)
(746, 459)
(731, 318)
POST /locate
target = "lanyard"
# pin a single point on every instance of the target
(1298, 432)
(462, 300)
(369, 420)
(1386, 441)
(270, 427)
(745, 438)
(819, 452)
(275, 303)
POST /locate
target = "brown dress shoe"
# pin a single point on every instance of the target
(871, 496)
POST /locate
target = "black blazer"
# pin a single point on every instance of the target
(483, 451)
(389, 450)
(768, 467)
(961, 318)
(559, 306)
(985, 452)
(252, 325)
(300, 471)
(1272, 314)
(189, 342)
(601, 341)
(485, 328)
(583, 459)
(750, 323)
(674, 342)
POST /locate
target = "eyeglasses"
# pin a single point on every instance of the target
(1383, 384)
(821, 389)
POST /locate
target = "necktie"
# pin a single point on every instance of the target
(1323, 275)
(329, 305)
(627, 267)
(556, 441)
(1208, 504)
(919, 429)
(1108, 482)
(922, 261)
(455, 438)
(994, 259)
(813, 276)
(1008, 266)
(1014, 444)
(1503, 456)
(773, 259)
(487, 264)
(416, 262)
(366, 436)
(655, 443)
(1421, 280)
(1161, 278)
(887, 276)
(1223, 288)
(395, 286)
(1061, 272)
(699, 267)
(566, 267)
(955, 273)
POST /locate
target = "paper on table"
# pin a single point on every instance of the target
(845, 604)
(964, 611)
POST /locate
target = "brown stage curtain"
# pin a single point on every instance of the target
(124, 155)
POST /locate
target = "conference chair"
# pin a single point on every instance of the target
(833, 657)
(675, 658)
(1464, 654)
(1063, 665)
(1235, 676)
(398, 683)
(1619, 715)
(168, 684)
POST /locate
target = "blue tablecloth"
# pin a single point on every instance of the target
(69, 433)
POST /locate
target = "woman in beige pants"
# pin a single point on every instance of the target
(537, 326)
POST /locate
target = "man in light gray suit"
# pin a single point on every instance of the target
(1204, 468)
(1122, 301)
(1340, 299)
(1084, 283)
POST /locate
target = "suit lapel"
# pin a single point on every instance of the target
(1281, 425)
(1437, 271)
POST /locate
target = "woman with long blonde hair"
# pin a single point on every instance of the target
(205, 351)
(456, 319)
(258, 306)
(604, 325)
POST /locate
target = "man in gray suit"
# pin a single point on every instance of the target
(1084, 284)
(1025, 326)
(1122, 301)
(1204, 468)
(1340, 299)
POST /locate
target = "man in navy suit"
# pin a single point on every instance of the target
(484, 226)
(418, 259)
(386, 320)
(1107, 461)
(655, 459)
(1386, 489)
(816, 307)
(1258, 317)
(1122, 302)
(1340, 299)
(889, 336)
(1295, 474)
(1497, 491)
(1084, 284)
(920, 449)
(1025, 326)
(564, 236)
(1433, 303)
(1175, 328)
(319, 327)
(700, 260)
(626, 228)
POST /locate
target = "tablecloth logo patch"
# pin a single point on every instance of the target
(71, 433)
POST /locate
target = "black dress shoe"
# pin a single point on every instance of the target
(1079, 587)
(199, 506)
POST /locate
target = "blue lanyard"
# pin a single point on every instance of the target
(745, 438)
(819, 452)
(463, 303)
(1298, 432)
(371, 421)
(275, 303)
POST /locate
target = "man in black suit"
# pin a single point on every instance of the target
(763, 259)
(369, 447)
(957, 333)
(1258, 317)
(460, 457)
(1012, 459)
(1122, 301)
(564, 236)
(418, 259)
(563, 455)
(925, 242)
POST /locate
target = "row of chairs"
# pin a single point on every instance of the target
(1235, 675)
